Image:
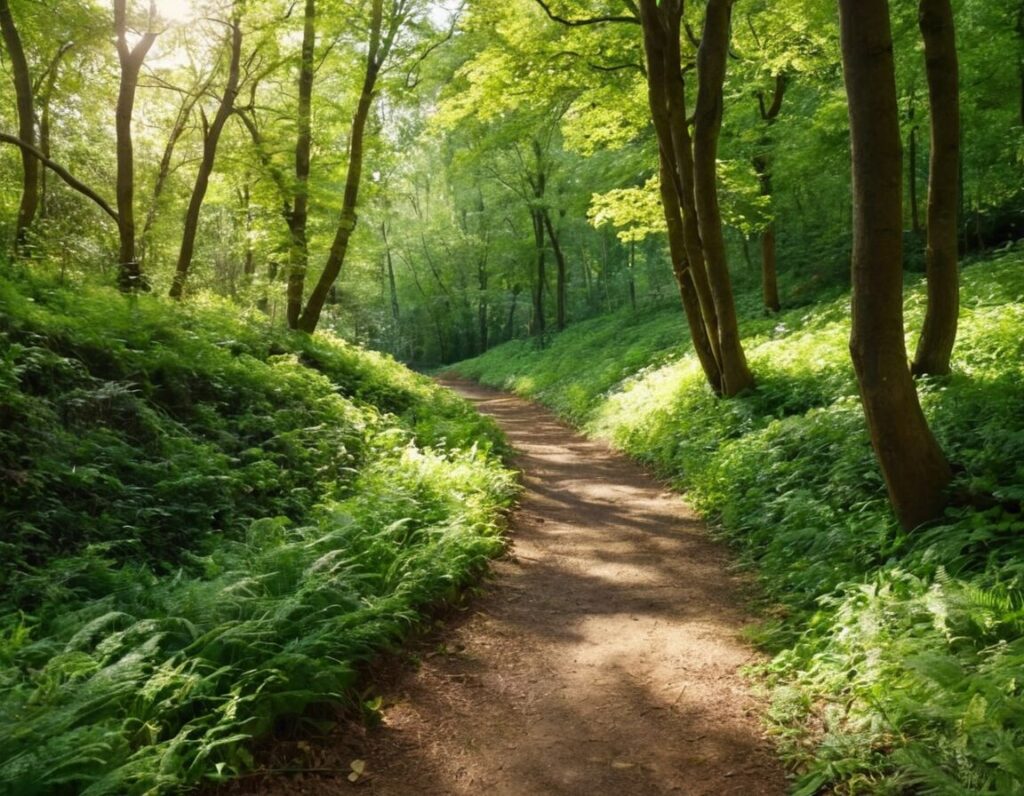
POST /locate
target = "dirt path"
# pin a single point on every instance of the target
(601, 658)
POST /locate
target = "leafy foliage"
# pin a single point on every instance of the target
(209, 525)
(899, 657)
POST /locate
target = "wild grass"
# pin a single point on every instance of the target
(208, 525)
(899, 658)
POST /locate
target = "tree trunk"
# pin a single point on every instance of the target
(537, 323)
(298, 260)
(26, 127)
(631, 264)
(938, 335)
(48, 83)
(763, 166)
(130, 275)
(377, 54)
(249, 267)
(210, 142)
(916, 471)
(661, 29)
(915, 215)
(711, 58)
(164, 169)
(560, 284)
(510, 326)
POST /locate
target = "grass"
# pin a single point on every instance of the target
(209, 525)
(898, 658)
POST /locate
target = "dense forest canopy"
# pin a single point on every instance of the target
(504, 171)
(687, 226)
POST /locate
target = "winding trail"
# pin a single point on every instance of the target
(600, 658)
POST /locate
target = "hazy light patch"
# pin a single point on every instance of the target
(175, 10)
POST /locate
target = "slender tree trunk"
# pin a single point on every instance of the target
(537, 325)
(396, 315)
(377, 54)
(43, 101)
(210, 142)
(249, 267)
(935, 347)
(560, 284)
(130, 275)
(711, 59)
(916, 471)
(483, 306)
(164, 169)
(763, 166)
(298, 260)
(915, 215)
(510, 323)
(26, 127)
(632, 274)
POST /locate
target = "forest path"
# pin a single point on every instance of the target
(601, 657)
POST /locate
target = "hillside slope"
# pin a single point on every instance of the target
(900, 658)
(207, 526)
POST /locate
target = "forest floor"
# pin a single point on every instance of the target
(601, 657)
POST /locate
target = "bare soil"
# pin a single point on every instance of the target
(601, 657)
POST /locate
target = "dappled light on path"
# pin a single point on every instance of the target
(601, 658)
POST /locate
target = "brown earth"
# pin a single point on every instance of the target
(602, 657)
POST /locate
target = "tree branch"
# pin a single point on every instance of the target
(61, 172)
(577, 23)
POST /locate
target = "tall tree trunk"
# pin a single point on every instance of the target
(666, 95)
(935, 347)
(537, 322)
(26, 127)
(379, 48)
(298, 259)
(711, 59)
(631, 264)
(130, 275)
(763, 166)
(210, 141)
(249, 268)
(560, 284)
(396, 315)
(915, 214)
(916, 471)
(482, 305)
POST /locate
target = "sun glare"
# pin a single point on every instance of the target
(175, 10)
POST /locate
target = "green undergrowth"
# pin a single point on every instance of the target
(208, 526)
(898, 658)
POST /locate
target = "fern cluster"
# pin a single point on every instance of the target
(209, 526)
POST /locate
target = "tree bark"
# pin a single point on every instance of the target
(935, 346)
(379, 48)
(915, 470)
(560, 283)
(298, 260)
(130, 276)
(666, 97)
(537, 322)
(711, 62)
(210, 141)
(26, 127)
(762, 162)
